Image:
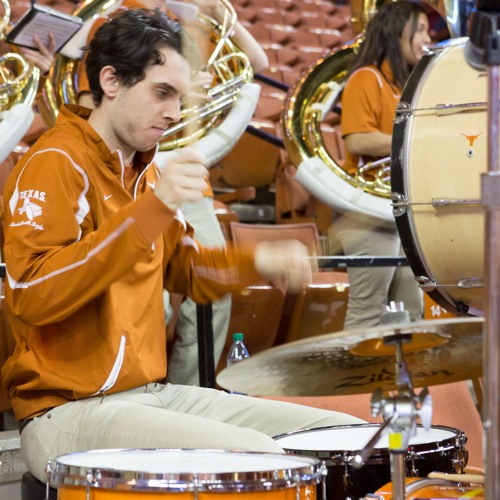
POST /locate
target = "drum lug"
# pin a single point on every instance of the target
(399, 204)
(462, 455)
(346, 478)
(48, 473)
(324, 472)
(414, 472)
(426, 284)
(403, 111)
(462, 440)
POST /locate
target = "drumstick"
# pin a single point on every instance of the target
(343, 261)
(459, 478)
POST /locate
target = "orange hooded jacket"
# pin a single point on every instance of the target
(86, 266)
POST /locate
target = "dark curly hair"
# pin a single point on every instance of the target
(130, 42)
(382, 38)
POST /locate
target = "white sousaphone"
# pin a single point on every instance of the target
(212, 128)
(18, 88)
(308, 104)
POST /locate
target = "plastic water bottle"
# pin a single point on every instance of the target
(238, 350)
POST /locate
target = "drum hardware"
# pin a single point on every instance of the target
(429, 285)
(399, 412)
(449, 109)
(483, 52)
(48, 473)
(400, 203)
(404, 109)
(324, 472)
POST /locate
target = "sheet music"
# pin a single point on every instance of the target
(41, 23)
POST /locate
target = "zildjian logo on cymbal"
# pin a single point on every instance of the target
(383, 376)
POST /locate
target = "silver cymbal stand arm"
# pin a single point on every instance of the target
(399, 412)
(404, 405)
(366, 452)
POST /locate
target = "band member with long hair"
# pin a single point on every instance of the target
(395, 41)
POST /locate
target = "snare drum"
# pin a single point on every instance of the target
(438, 155)
(201, 474)
(439, 449)
(431, 488)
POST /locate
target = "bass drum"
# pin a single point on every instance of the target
(439, 150)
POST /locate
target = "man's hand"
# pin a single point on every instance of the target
(199, 86)
(208, 7)
(286, 263)
(42, 57)
(184, 178)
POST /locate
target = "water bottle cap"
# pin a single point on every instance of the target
(237, 336)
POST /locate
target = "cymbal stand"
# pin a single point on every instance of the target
(482, 52)
(400, 415)
(490, 197)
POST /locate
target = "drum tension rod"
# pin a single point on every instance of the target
(437, 202)
(429, 285)
(404, 109)
(400, 203)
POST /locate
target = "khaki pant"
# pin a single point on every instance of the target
(372, 288)
(167, 416)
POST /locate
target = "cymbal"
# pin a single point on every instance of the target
(362, 360)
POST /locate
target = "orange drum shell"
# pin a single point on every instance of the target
(435, 491)
(79, 493)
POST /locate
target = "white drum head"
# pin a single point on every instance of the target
(353, 438)
(161, 461)
(175, 471)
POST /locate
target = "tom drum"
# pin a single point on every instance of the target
(439, 449)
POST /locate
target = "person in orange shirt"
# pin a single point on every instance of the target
(93, 235)
(395, 41)
(201, 215)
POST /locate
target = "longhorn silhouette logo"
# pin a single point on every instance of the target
(471, 138)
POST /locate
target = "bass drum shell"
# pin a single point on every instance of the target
(441, 156)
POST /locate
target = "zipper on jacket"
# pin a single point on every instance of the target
(113, 376)
(120, 156)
